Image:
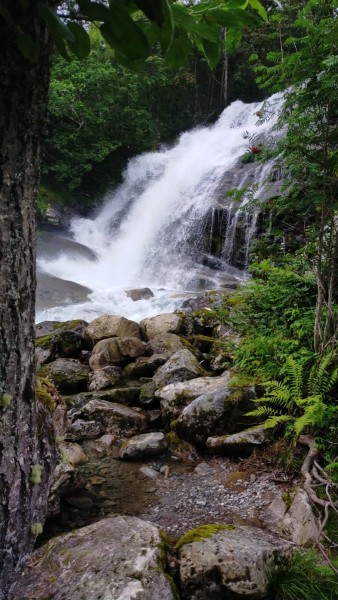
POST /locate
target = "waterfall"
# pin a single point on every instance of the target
(152, 230)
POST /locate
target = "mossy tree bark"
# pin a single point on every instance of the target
(26, 439)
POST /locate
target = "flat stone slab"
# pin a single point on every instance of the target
(118, 558)
(239, 444)
(147, 444)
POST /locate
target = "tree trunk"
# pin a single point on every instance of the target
(25, 438)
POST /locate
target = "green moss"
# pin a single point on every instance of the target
(201, 533)
(44, 341)
(288, 497)
(46, 393)
(68, 324)
(173, 439)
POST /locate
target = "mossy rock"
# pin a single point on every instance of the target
(201, 533)
(69, 375)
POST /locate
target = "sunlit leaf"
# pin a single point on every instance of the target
(123, 34)
(188, 22)
(212, 51)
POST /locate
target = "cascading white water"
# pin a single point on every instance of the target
(150, 231)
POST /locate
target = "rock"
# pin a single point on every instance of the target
(202, 469)
(164, 323)
(181, 366)
(69, 375)
(150, 472)
(84, 430)
(106, 440)
(109, 326)
(239, 444)
(140, 446)
(104, 378)
(165, 344)
(106, 352)
(59, 340)
(292, 516)
(144, 366)
(114, 417)
(147, 395)
(127, 393)
(206, 414)
(230, 563)
(115, 350)
(63, 478)
(72, 454)
(175, 396)
(115, 558)
(140, 294)
(130, 347)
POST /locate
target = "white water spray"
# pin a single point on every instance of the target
(150, 232)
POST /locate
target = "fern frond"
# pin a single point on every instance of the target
(320, 377)
(262, 411)
(275, 420)
(295, 375)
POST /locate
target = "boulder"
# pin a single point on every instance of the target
(204, 415)
(106, 352)
(176, 396)
(84, 430)
(147, 395)
(228, 562)
(69, 375)
(143, 366)
(130, 347)
(140, 446)
(292, 516)
(239, 444)
(109, 326)
(63, 478)
(164, 323)
(104, 378)
(114, 418)
(115, 350)
(125, 393)
(72, 454)
(139, 294)
(165, 344)
(59, 340)
(181, 366)
(115, 558)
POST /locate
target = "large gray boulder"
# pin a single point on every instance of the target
(181, 366)
(164, 323)
(291, 515)
(176, 396)
(113, 417)
(139, 294)
(143, 366)
(140, 446)
(230, 563)
(109, 326)
(165, 344)
(207, 414)
(114, 351)
(119, 558)
(69, 375)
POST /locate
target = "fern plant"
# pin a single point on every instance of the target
(296, 403)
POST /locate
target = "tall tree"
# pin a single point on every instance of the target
(27, 454)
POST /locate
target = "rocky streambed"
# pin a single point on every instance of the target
(165, 488)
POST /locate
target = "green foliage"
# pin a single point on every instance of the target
(302, 577)
(301, 400)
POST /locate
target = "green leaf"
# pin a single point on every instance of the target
(232, 18)
(212, 52)
(27, 47)
(153, 10)
(189, 23)
(55, 25)
(260, 9)
(232, 40)
(81, 46)
(93, 10)
(61, 46)
(179, 50)
(123, 35)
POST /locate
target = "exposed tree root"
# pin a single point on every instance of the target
(314, 475)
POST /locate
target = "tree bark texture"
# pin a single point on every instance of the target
(26, 436)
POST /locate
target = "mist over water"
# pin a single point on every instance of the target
(151, 230)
